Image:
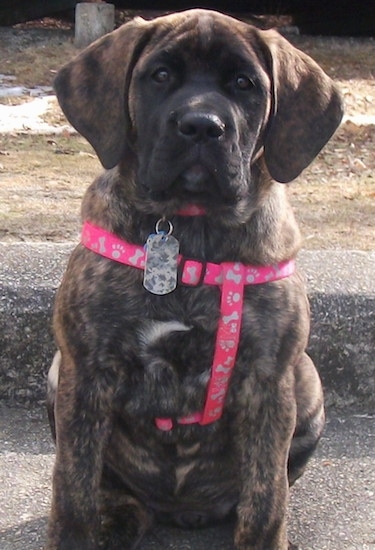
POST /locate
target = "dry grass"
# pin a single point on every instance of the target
(42, 183)
(34, 62)
(37, 66)
(351, 63)
(335, 197)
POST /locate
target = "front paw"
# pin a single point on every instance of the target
(124, 521)
(66, 532)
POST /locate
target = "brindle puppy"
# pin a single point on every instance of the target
(194, 108)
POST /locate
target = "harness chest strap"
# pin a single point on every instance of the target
(231, 276)
(192, 272)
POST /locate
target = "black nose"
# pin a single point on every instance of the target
(201, 126)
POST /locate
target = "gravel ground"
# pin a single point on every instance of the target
(332, 506)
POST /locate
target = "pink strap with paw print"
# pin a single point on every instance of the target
(227, 340)
(231, 277)
(193, 272)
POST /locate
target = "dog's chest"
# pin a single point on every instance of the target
(188, 468)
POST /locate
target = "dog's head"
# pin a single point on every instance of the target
(192, 100)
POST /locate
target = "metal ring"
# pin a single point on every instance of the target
(163, 220)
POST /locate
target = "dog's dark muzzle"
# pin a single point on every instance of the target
(193, 159)
(199, 129)
(199, 137)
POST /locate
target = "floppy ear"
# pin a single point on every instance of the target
(92, 89)
(307, 109)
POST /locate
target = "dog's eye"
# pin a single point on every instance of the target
(243, 82)
(161, 75)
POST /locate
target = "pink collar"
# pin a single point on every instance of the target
(231, 276)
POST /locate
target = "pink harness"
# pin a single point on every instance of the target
(230, 276)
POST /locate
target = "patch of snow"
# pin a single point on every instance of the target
(7, 78)
(17, 91)
(360, 119)
(7, 89)
(27, 117)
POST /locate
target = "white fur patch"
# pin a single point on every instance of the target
(154, 330)
(53, 373)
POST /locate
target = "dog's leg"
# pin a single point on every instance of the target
(82, 413)
(266, 430)
(310, 417)
(125, 520)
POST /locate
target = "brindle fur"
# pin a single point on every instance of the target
(128, 356)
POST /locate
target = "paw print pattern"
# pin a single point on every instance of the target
(226, 345)
(252, 275)
(233, 297)
(117, 251)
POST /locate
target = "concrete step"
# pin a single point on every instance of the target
(342, 344)
(331, 508)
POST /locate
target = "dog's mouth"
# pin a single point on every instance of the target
(196, 184)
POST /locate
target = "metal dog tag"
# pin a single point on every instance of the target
(160, 273)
